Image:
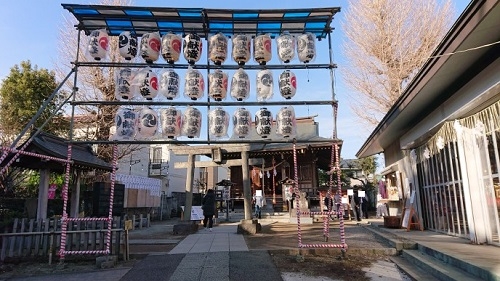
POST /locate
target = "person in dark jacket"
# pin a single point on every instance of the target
(357, 206)
(208, 207)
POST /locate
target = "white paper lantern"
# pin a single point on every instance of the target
(264, 85)
(306, 47)
(263, 122)
(217, 85)
(217, 51)
(191, 122)
(240, 85)
(98, 44)
(169, 84)
(242, 120)
(286, 47)
(192, 48)
(123, 84)
(147, 123)
(241, 48)
(150, 46)
(127, 45)
(285, 122)
(194, 85)
(125, 122)
(146, 83)
(171, 122)
(171, 45)
(262, 48)
(288, 84)
(218, 122)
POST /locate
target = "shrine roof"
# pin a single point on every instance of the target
(82, 155)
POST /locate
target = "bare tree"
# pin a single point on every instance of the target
(386, 42)
(94, 83)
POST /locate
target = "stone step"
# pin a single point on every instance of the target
(392, 239)
(416, 273)
(463, 265)
(435, 267)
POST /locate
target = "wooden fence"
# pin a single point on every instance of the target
(30, 237)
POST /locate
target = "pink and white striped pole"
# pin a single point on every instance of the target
(329, 194)
(297, 193)
(339, 189)
(64, 222)
(111, 197)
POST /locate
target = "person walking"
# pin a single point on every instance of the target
(208, 207)
(259, 203)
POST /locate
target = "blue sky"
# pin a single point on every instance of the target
(30, 30)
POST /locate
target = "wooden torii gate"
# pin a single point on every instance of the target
(191, 164)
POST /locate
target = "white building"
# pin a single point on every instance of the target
(441, 139)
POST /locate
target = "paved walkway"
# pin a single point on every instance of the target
(222, 238)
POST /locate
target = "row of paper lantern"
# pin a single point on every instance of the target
(144, 84)
(169, 47)
(133, 124)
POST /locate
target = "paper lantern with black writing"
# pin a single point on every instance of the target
(194, 84)
(171, 121)
(306, 47)
(191, 123)
(263, 122)
(171, 45)
(125, 123)
(218, 122)
(98, 44)
(169, 84)
(262, 48)
(217, 48)
(264, 85)
(288, 84)
(286, 47)
(217, 85)
(127, 45)
(150, 46)
(240, 85)
(146, 83)
(147, 123)
(285, 122)
(241, 48)
(242, 120)
(123, 84)
(192, 48)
